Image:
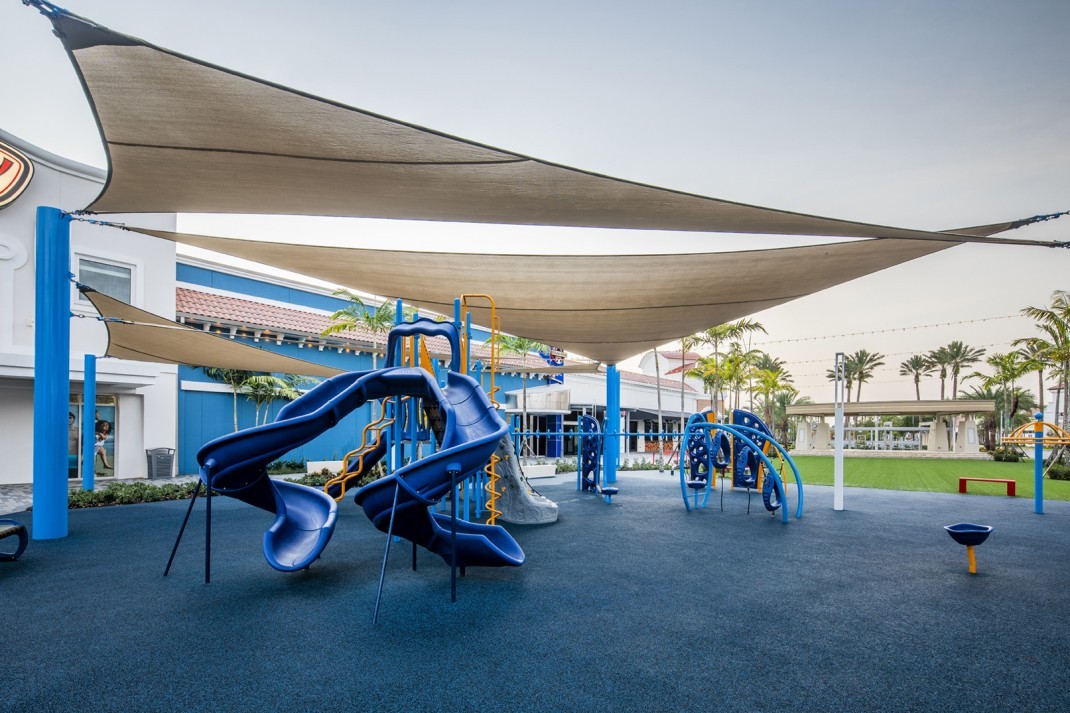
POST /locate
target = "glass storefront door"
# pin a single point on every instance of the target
(104, 420)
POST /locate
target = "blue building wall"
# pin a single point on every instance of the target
(206, 415)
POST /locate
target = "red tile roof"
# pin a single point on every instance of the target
(688, 366)
(277, 321)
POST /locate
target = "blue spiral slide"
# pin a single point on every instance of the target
(236, 465)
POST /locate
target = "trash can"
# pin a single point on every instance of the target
(161, 462)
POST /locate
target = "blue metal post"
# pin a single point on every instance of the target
(52, 375)
(89, 431)
(555, 443)
(467, 340)
(1038, 464)
(399, 408)
(612, 433)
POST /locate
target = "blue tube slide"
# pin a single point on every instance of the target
(470, 436)
(235, 464)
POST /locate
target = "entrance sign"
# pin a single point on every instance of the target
(16, 170)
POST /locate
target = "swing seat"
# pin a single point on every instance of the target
(610, 491)
(696, 484)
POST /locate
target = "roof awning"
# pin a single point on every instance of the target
(896, 408)
(143, 336)
(605, 307)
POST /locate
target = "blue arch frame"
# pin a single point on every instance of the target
(739, 432)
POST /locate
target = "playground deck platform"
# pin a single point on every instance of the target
(638, 605)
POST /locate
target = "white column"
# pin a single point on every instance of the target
(837, 472)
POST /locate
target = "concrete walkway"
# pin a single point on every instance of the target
(18, 498)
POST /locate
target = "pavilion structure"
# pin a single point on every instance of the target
(950, 430)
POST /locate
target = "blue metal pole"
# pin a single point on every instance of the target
(399, 408)
(612, 434)
(1038, 464)
(89, 430)
(468, 341)
(52, 376)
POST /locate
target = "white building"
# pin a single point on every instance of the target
(138, 399)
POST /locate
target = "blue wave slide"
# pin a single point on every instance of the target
(236, 465)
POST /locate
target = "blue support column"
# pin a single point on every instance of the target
(1038, 464)
(555, 444)
(52, 375)
(611, 449)
(89, 431)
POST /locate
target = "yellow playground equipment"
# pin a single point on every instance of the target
(495, 356)
(1040, 434)
(372, 437)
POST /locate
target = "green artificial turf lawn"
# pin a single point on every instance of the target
(930, 475)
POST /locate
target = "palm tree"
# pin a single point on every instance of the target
(781, 423)
(762, 360)
(1007, 369)
(234, 378)
(769, 383)
(522, 346)
(941, 360)
(1033, 359)
(1054, 322)
(960, 356)
(988, 425)
(732, 372)
(725, 332)
(864, 364)
(916, 366)
(357, 315)
(262, 389)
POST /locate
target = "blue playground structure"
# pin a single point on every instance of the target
(589, 468)
(464, 429)
(744, 446)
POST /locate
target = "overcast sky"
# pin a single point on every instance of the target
(933, 115)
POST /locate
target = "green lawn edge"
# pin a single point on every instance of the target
(927, 475)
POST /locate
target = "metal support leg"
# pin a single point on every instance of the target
(453, 535)
(386, 554)
(413, 556)
(181, 530)
(208, 533)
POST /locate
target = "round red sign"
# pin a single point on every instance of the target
(16, 170)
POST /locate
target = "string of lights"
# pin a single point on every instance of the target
(885, 331)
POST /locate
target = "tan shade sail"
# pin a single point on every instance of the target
(186, 136)
(605, 307)
(143, 336)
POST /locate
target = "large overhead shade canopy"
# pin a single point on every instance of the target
(186, 136)
(143, 336)
(605, 307)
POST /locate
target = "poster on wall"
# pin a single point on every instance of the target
(104, 451)
(74, 438)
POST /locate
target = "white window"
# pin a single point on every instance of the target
(112, 279)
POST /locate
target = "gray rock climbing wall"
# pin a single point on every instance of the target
(518, 503)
